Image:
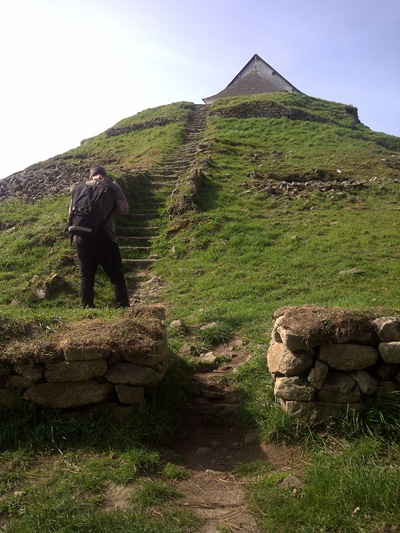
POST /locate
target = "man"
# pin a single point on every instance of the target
(104, 249)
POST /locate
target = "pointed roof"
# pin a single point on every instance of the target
(255, 77)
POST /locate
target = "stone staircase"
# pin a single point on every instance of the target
(147, 219)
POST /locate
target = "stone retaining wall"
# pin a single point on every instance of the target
(113, 132)
(331, 367)
(276, 111)
(83, 366)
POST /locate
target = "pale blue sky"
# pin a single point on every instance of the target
(72, 68)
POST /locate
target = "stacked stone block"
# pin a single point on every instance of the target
(85, 374)
(319, 376)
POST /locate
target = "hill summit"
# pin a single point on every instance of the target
(139, 142)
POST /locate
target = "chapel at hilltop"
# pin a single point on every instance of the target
(256, 77)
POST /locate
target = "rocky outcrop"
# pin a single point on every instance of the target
(49, 178)
(327, 362)
(91, 363)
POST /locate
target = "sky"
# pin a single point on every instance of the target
(71, 69)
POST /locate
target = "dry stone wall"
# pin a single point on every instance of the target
(324, 367)
(274, 110)
(83, 367)
(113, 132)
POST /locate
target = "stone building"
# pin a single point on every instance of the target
(255, 77)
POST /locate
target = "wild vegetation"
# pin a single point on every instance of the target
(291, 212)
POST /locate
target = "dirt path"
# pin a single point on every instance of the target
(211, 447)
(209, 444)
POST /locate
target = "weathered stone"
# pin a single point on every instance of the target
(161, 352)
(275, 336)
(176, 324)
(387, 328)
(318, 374)
(73, 352)
(320, 410)
(205, 363)
(129, 374)
(69, 394)
(390, 352)
(339, 387)
(32, 372)
(366, 383)
(75, 370)
(348, 356)
(9, 399)
(128, 394)
(54, 284)
(364, 336)
(292, 483)
(187, 349)
(293, 388)
(291, 340)
(19, 382)
(283, 361)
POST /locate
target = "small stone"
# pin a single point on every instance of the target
(208, 357)
(291, 482)
(176, 324)
(209, 326)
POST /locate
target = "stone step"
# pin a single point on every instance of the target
(141, 216)
(138, 238)
(162, 185)
(174, 163)
(149, 205)
(136, 248)
(148, 228)
(139, 231)
(162, 180)
(139, 262)
(166, 175)
(167, 182)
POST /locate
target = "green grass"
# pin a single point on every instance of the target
(352, 488)
(246, 252)
(74, 496)
(246, 256)
(58, 468)
(139, 148)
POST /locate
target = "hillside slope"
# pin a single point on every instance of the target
(237, 209)
(274, 200)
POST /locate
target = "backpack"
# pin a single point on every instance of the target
(86, 218)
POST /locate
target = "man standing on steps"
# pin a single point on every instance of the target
(104, 249)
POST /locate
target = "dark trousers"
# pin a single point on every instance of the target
(101, 251)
